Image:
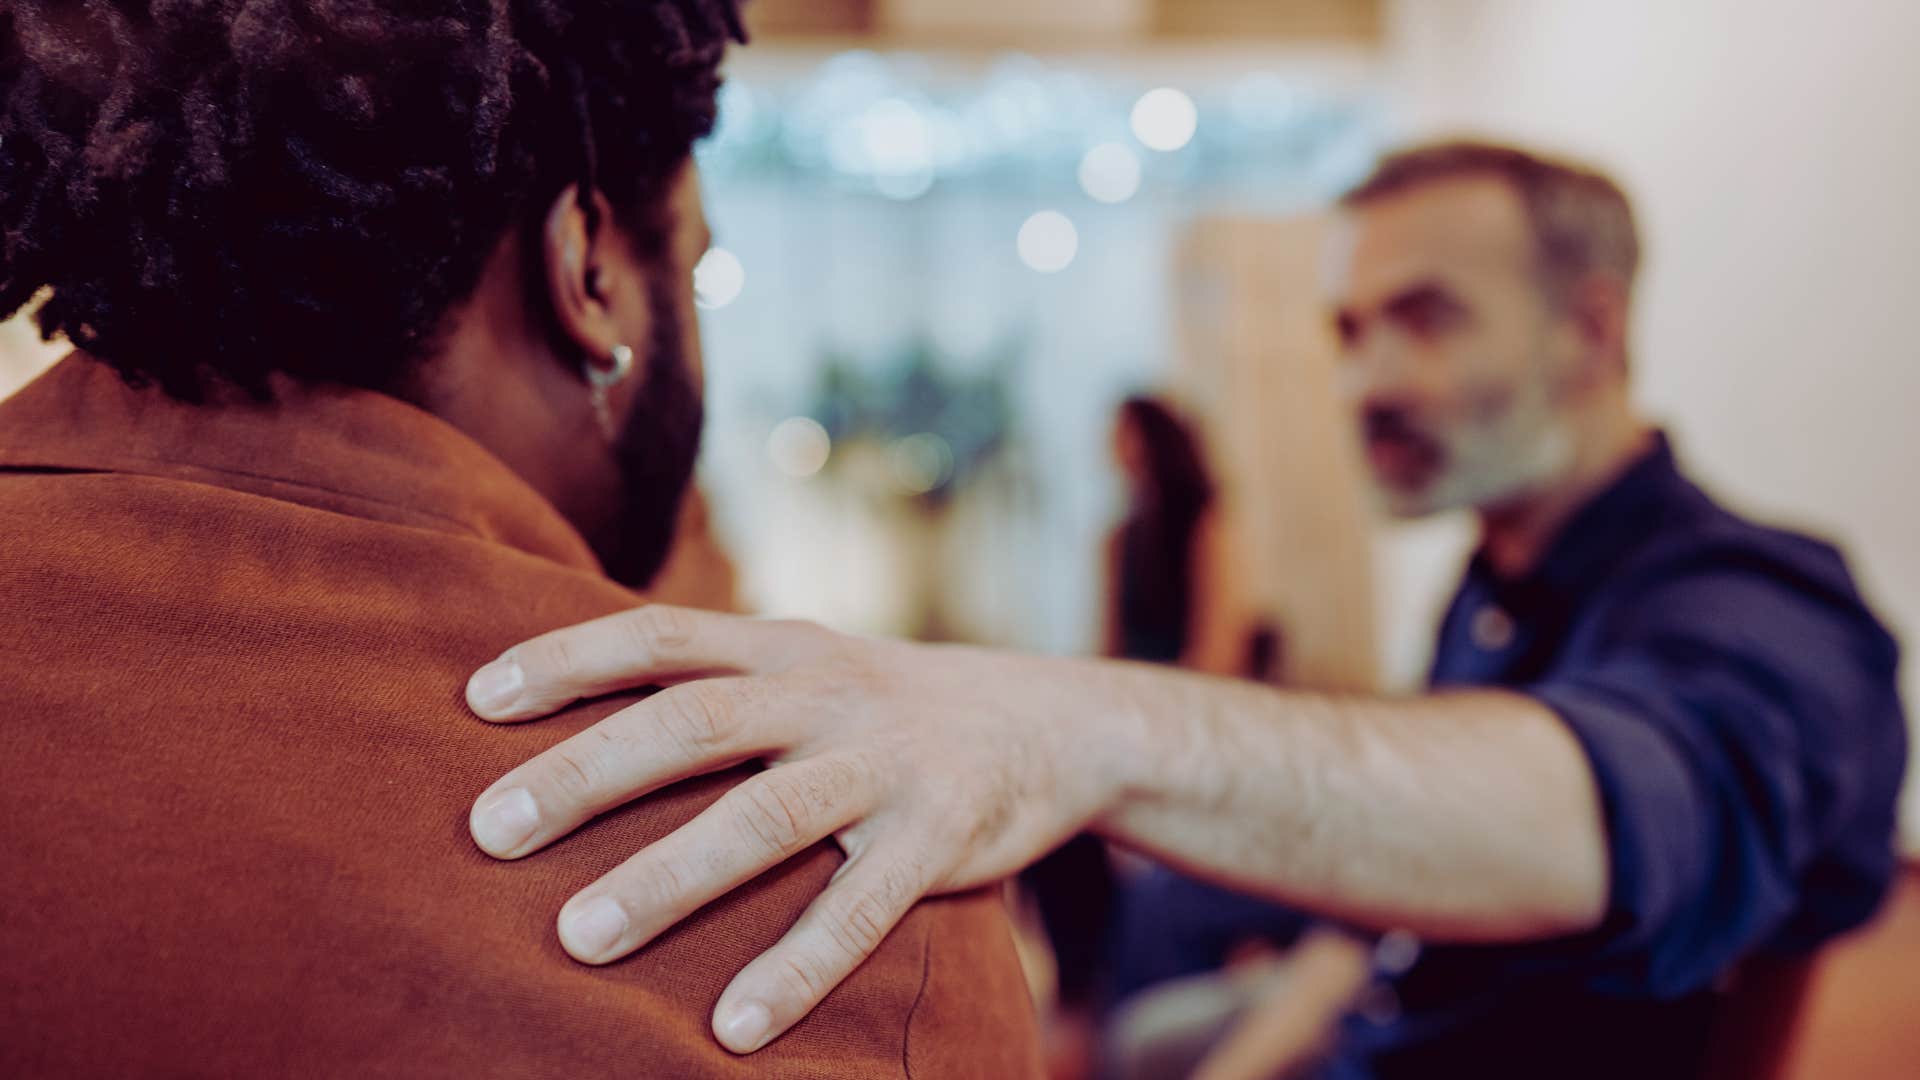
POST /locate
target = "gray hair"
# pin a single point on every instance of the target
(1582, 221)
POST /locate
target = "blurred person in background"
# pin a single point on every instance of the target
(1158, 562)
(1169, 596)
(1170, 606)
(1154, 557)
(386, 359)
(1664, 743)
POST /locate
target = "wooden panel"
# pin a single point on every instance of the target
(1332, 20)
(1257, 363)
(810, 18)
(1010, 23)
(1014, 21)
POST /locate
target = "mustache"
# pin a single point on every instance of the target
(1388, 423)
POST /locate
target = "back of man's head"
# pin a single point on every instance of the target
(216, 190)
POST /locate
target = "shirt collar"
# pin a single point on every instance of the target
(334, 448)
(1594, 538)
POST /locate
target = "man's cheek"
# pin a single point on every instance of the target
(1486, 401)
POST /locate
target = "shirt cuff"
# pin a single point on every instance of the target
(1652, 810)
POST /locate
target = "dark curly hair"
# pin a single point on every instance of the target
(223, 189)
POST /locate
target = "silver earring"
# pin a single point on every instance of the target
(605, 379)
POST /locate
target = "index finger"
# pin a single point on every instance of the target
(642, 646)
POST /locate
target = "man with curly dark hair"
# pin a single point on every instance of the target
(384, 360)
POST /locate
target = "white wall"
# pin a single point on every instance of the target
(22, 354)
(1773, 148)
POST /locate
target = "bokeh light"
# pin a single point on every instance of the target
(1048, 242)
(898, 142)
(799, 447)
(920, 463)
(1165, 119)
(718, 279)
(1110, 173)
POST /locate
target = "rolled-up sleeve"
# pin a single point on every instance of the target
(1745, 735)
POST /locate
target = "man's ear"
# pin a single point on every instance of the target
(576, 249)
(1597, 311)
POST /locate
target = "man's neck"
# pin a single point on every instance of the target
(1516, 534)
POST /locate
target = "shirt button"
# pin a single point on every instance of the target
(1394, 954)
(1492, 629)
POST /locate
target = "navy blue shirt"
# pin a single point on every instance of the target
(1738, 703)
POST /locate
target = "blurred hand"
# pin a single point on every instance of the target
(937, 768)
(1294, 1017)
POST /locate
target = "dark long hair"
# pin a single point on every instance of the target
(1176, 469)
(1157, 539)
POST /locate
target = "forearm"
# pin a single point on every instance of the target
(942, 768)
(1463, 817)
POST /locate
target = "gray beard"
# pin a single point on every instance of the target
(1487, 468)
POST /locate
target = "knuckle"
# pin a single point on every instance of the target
(858, 924)
(859, 670)
(838, 778)
(549, 659)
(660, 886)
(699, 720)
(801, 976)
(901, 885)
(801, 627)
(778, 814)
(656, 629)
(576, 772)
(809, 639)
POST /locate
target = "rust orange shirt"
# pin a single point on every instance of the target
(235, 770)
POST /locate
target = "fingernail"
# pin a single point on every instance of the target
(592, 929)
(496, 687)
(743, 1027)
(504, 822)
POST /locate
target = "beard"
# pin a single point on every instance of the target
(1475, 463)
(655, 452)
